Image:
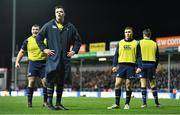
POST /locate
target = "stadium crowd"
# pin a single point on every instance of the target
(104, 80)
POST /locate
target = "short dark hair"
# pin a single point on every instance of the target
(58, 6)
(129, 27)
(35, 25)
(147, 32)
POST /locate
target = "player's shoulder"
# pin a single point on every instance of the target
(49, 23)
(26, 40)
(69, 24)
(30, 37)
(122, 40)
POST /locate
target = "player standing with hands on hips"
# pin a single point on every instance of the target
(60, 36)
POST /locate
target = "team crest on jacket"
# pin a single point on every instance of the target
(53, 26)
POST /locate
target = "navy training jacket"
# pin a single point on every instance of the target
(59, 41)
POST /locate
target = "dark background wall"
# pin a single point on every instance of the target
(96, 20)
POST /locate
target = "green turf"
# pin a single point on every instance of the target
(84, 105)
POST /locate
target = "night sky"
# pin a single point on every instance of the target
(96, 20)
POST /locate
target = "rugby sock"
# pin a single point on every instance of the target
(44, 94)
(59, 91)
(128, 97)
(50, 91)
(117, 96)
(154, 92)
(30, 91)
(144, 94)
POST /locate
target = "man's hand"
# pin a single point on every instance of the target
(114, 69)
(158, 70)
(17, 65)
(49, 52)
(138, 70)
(70, 54)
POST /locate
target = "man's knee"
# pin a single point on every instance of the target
(117, 85)
(143, 82)
(128, 85)
(31, 83)
(44, 82)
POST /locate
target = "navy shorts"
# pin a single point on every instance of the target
(37, 68)
(148, 71)
(126, 71)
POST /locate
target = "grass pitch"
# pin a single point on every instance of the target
(85, 105)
